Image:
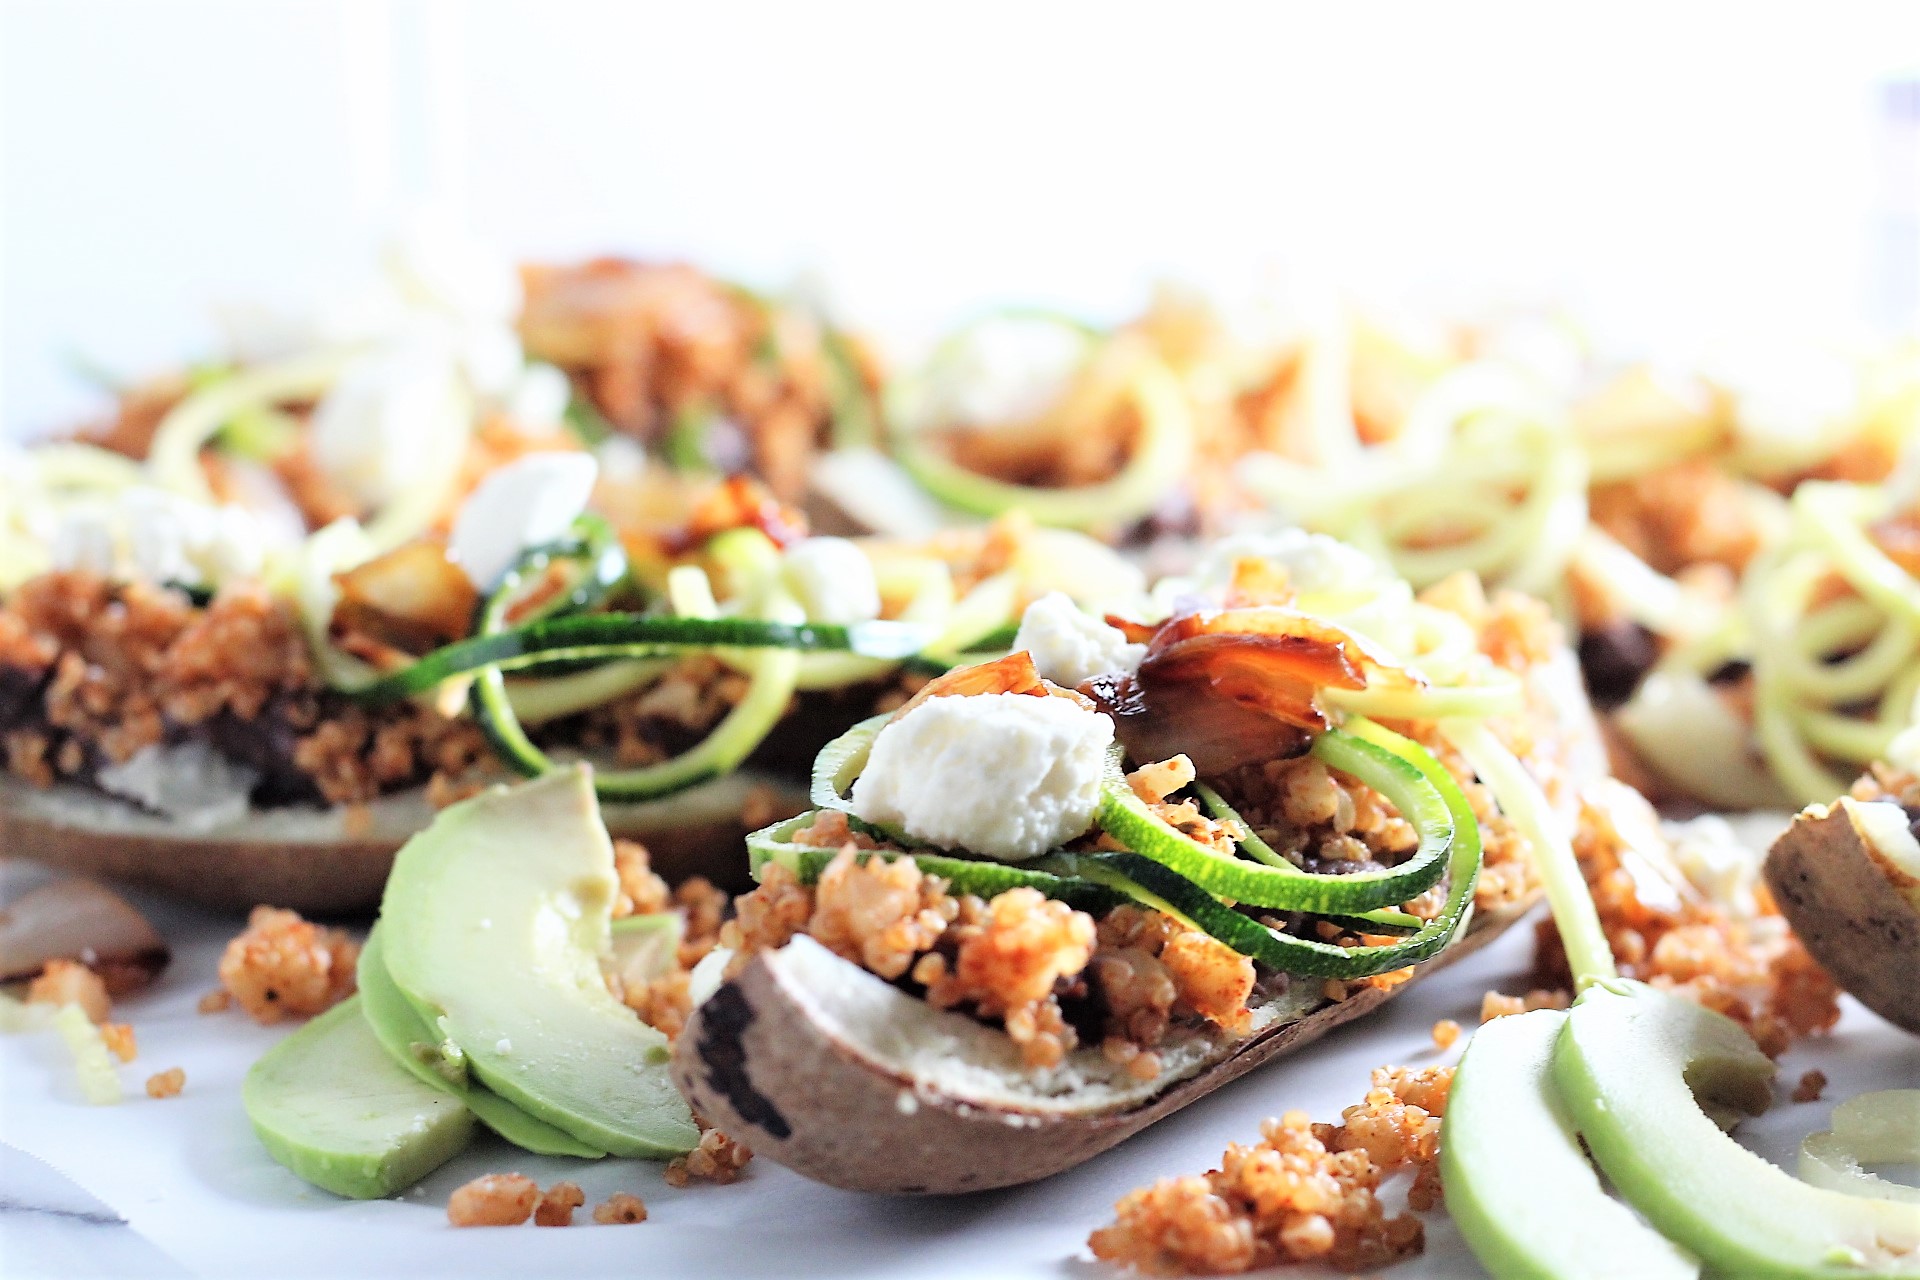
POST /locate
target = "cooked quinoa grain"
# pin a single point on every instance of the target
(1812, 1084)
(120, 1041)
(217, 1001)
(557, 1204)
(1305, 1193)
(620, 1209)
(284, 967)
(496, 1200)
(70, 982)
(1446, 1034)
(166, 1084)
(718, 1159)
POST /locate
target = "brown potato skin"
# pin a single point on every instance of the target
(753, 1062)
(1843, 901)
(327, 875)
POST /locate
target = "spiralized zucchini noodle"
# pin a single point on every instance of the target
(1834, 627)
(1424, 666)
(1121, 373)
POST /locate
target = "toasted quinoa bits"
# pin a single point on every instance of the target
(284, 967)
(166, 1084)
(620, 1210)
(718, 1159)
(1812, 1084)
(1304, 1193)
(1750, 968)
(1446, 1034)
(70, 982)
(120, 1040)
(557, 1204)
(663, 1004)
(219, 1000)
(496, 1200)
(1495, 1005)
(642, 892)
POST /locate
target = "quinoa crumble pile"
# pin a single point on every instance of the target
(1304, 1193)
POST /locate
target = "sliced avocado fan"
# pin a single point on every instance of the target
(408, 1040)
(333, 1107)
(493, 925)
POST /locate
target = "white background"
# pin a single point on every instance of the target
(1670, 170)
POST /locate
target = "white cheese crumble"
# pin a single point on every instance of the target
(1069, 646)
(1008, 370)
(191, 783)
(538, 399)
(832, 579)
(530, 501)
(1787, 398)
(156, 536)
(1004, 775)
(1710, 854)
(376, 432)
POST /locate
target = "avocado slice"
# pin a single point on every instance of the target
(1518, 1185)
(329, 1104)
(494, 922)
(1628, 1067)
(407, 1039)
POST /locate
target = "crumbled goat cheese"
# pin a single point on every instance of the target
(377, 430)
(1005, 775)
(190, 783)
(1069, 646)
(1002, 371)
(160, 537)
(528, 502)
(538, 400)
(1710, 855)
(833, 580)
(1904, 751)
(1786, 398)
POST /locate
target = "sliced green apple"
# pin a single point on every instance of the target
(1635, 1067)
(1518, 1184)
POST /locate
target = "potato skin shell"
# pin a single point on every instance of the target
(1843, 902)
(318, 872)
(754, 1063)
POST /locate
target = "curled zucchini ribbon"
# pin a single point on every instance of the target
(1162, 455)
(1166, 870)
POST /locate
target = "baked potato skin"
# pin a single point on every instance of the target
(755, 1063)
(1853, 908)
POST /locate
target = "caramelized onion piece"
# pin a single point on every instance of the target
(1217, 733)
(85, 921)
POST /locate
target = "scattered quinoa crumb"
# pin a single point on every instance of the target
(1495, 1005)
(166, 1084)
(1446, 1033)
(496, 1200)
(718, 1159)
(70, 982)
(557, 1205)
(219, 1000)
(1811, 1086)
(284, 967)
(119, 1038)
(620, 1210)
(1305, 1192)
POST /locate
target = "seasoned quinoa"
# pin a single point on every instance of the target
(120, 1040)
(1664, 932)
(718, 1159)
(281, 966)
(557, 1204)
(620, 1209)
(495, 1200)
(1304, 1193)
(70, 982)
(166, 1084)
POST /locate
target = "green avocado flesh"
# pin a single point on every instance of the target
(410, 1042)
(1629, 1066)
(1518, 1185)
(330, 1105)
(493, 925)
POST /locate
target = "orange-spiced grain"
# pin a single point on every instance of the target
(718, 1159)
(495, 1200)
(1304, 1193)
(284, 967)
